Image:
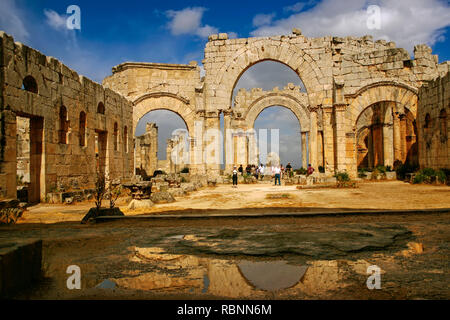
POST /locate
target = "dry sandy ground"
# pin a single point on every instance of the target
(392, 195)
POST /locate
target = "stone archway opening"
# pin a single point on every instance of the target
(280, 128)
(161, 143)
(29, 158)
(267, 75)
(386, 135)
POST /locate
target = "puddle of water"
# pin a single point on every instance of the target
(107, 284)
(271, 275)
(233, 278)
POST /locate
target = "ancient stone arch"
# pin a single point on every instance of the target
(402, 95)
(161, 101)
(343, 76)
(278, 99)
(387, 111)
(263, 49)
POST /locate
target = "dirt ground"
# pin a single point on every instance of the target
(314, 257)
(393, 195)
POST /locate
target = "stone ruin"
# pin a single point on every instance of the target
(366, 103)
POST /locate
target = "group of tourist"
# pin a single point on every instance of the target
(276, 172)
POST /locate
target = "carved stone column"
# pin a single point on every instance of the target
(304, 149)
(341, 140)
(397, 137)
(228, 140)
(328, 138)
(313, 138)
(388, 136)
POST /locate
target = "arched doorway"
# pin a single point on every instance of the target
(385, 136)
(280, 124)
(161, 138)
(276, 87)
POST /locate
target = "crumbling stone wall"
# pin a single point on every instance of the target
(433, 122)
(353, 86)
(23, 150)
(146, 153)
(53, 98)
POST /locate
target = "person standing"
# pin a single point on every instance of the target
(248, 170)
(277, 172)
(261, 171)
(289, 170)
(235, 177)
(310, 170)
(241, 170)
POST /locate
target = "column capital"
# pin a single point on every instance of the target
(327, 108)
(340, 106)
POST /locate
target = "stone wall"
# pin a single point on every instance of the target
(56, 100)
(146, 153)
(361, 101)
(434, 123)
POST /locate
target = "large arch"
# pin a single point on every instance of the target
(402, 95)
(286, 53)
(396, 125)
(278, 99)
(160, 101)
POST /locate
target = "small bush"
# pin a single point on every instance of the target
(418, 178)
(381, 169)
(185, 170)
(429, 175)
(441, 176)
(301, 171)
(362, 173)
(342, 177)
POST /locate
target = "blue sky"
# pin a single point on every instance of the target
(176, 31)
(112, 32)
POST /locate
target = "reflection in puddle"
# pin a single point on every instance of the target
(271, 275)
(233, 278)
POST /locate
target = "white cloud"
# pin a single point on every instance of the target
(297, 7)
(189, 21)
(55, 20)
(407, 22)
(11, 20)
(263, 19)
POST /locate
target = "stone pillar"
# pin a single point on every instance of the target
(252, 148)
(397, 137)
(388, 135)
(304, 149)
(241, 148)
(403, 138)
(197, 156)
(320, 161)
(192, 167)
(228, 141)
(370, 155)
(328, 138)
(212, 143)
(341, 140)
(313, 139)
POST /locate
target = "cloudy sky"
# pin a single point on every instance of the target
(176, 32)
